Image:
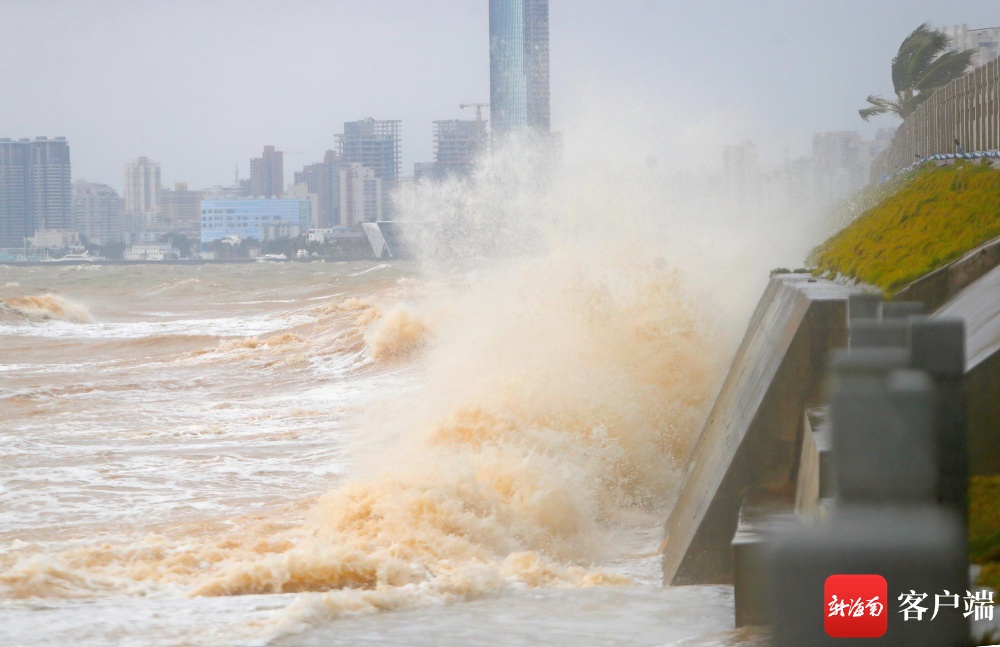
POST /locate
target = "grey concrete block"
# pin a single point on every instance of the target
(750, 559)
(900, 309)
(884, 441)
(863, 305)
(870, 360)
(891, 333)
(939, 349)
(938, 346)
(858, 362)
(919, 548)
(827, 471)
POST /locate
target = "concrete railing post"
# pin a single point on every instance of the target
(939, 348)
(897, 420)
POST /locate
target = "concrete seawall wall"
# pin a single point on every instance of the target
(938, 287)
(979, 306)
(751, 441)
(784, 489)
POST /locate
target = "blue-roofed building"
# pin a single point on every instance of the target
(254, 218)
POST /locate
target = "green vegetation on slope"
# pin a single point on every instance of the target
(936, 216)
(984, 527)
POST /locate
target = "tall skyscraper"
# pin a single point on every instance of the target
(35, 188)
(142, 195)
(374, 144)
(267, 174)
(519, 66)
(13, 192)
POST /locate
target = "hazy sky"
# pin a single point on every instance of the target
(202, 86)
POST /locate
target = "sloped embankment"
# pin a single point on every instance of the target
(937, 214)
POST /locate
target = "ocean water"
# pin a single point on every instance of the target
(478, 450)
(349, 453)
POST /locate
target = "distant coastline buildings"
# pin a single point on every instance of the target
(837, 168)
(375, 144)
(267, 174)
(322, 179)
(257, 218)
(35, 188)
(180, 210)
(986, 41)
(519, 66)
(142, 195)
(98, 213)
(361, 196)
(354, 183)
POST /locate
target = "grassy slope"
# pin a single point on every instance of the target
(937, 215)
(984, 527)
(932, 217)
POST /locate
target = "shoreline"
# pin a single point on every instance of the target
(183, 261)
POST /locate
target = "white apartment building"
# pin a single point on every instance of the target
(97, 212)
(986, 40)
(142, 194)
(360, 195)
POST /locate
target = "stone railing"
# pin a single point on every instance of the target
(897, 421)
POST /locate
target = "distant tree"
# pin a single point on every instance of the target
(923, 64)
(180, 241)
(110, 250)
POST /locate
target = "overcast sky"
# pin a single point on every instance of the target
(201, 86)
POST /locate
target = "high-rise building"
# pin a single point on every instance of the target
(986, 41)
(519, 66)
(142, 195)
(360, 195)
(375, 144)
(181, 209)
(323, 179)
(97, 213)
(13, 192)
(457, 144)
(50, 184)
(35, 188)
(267, 174)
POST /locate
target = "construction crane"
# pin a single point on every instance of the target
(480, 134)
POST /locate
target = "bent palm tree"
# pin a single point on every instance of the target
(923, 64)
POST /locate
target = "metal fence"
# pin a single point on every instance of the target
(967, 109)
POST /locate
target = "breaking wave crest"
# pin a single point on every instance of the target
(45, 307)
(396, 334)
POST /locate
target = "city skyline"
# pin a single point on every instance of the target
(208, 101)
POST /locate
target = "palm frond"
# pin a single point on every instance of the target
(944, 69)
(878, 106)
(915, 53)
